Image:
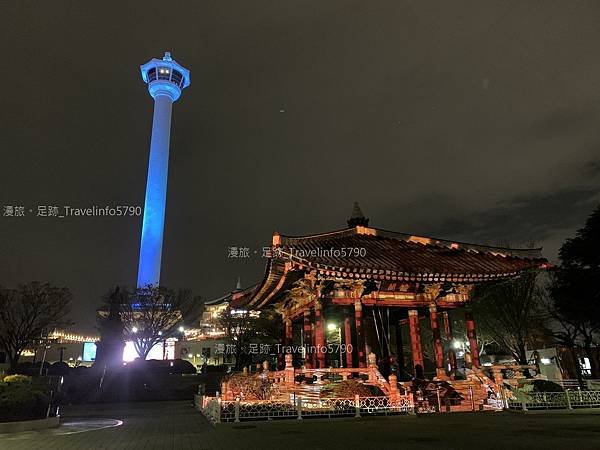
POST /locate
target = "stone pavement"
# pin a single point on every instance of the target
(176, 425)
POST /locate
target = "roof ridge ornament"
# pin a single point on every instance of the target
(357, 218)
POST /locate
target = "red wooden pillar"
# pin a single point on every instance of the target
(320, 334)
(438, 350)
(348, 338)
(360, 337)
(285, 341)
(470, 326)
(448, 332)
(415, 342)
(308, 342)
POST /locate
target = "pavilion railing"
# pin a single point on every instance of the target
(586, 384)
(217, 410)
(557, 400)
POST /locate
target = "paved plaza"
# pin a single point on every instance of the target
(176, 425)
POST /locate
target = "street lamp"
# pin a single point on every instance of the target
(134, 329)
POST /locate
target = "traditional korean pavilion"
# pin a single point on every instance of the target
(360, 286)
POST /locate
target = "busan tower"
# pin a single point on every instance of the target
(165, 79)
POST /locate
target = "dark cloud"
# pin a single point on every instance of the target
(565, 121)
(521, 221)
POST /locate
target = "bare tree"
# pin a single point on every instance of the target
(510, 311)
(564, 332)
(28, 313)
(486, 343)
(245, 331)
(152, 314)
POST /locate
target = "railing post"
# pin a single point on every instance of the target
(411, 397)
(237, 409)
(472, 398)
(299, 406)
(568, 398)
(218, 412)
(356, 406)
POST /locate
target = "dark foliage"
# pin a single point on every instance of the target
(575, 290)
(23, 400)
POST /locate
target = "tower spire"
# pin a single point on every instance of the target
(357, 218)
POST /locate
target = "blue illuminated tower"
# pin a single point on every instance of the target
(166, 79)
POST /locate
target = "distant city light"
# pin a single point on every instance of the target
(159, 351)
(331, 326)
(134, 329)
(181, 329)
(62, 337)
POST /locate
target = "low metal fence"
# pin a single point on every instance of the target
(217, 410)
(558, 400)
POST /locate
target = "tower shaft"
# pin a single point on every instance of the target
(156, 193)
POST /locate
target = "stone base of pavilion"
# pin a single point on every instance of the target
(292, 396)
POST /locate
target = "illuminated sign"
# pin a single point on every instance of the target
(89, 351)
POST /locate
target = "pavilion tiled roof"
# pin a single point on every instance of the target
(385, 255)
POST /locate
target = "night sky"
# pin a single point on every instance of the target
(476, 121)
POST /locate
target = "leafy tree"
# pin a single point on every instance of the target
(575, 287)
(152, 314)
(28, 313)
(510, 312)
(245, 331)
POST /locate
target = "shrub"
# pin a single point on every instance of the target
(348, 389)
(59, 368)
(251, 387)
(181, 366)
(22, 400)
(17, 378)
(546, 386)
